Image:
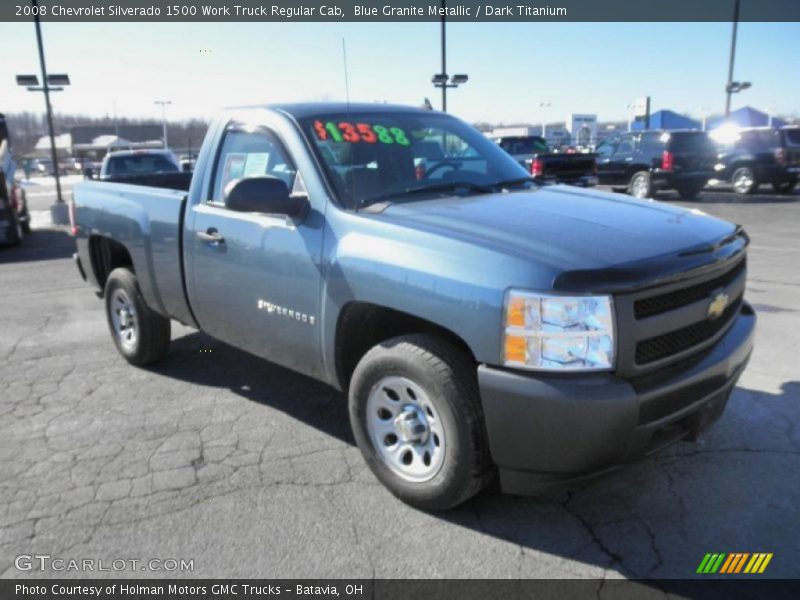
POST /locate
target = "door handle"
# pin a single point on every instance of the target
(628, 159)
(210, 236)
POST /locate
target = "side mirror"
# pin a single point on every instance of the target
(262, 194)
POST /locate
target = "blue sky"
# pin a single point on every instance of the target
(576, 67)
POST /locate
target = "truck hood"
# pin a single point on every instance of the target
(570, 229)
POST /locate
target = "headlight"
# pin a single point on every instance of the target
(558, 333)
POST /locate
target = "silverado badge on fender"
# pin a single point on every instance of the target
(718, 306)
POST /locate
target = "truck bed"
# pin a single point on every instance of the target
(173, 181)
(148, 221)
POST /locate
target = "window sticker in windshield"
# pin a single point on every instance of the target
(354, 133)
(255, 164)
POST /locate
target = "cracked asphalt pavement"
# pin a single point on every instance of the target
(250, 470)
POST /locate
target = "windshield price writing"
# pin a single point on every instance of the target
(354, 133)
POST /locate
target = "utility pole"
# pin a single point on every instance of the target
(544, 106)
(46, 89)
(704, 115)
(164, 104)
(444, 59)
(443, 80)
(729, 87)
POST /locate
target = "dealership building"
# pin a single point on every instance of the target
(95, 141)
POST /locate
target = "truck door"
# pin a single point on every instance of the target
(604, 152)
(253, 279)
(620, 161)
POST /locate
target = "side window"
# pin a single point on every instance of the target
(651, 143)
(625, 145)
(248, 153)
(604, 149)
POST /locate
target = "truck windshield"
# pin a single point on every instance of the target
(138, 164)
(398, 156)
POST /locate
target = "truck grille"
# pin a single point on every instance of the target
(680, 340)
(655, 305)
(664, 325)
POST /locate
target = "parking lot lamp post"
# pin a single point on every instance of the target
(630, 108)
(544, 106)
(442, 80)
(704, 116)
(729, 88)
(46, 88)
(164, 104)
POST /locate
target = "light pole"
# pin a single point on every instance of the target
(50, 83)
(442, 80)
(630, 108)
(733, 87)
(770, 112)
(703, 115)
(544, 106)
(164, 104)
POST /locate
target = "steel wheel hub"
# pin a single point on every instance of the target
(123, 319)
(405, 429)
(743, 182)
(639, 187)
(412, 426)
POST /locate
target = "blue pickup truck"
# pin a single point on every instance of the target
(481, 326)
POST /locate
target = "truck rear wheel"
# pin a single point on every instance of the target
(416, 415)
(141, 335)
(640, 185)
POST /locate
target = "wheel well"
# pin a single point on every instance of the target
(633, 169)
(363, 325)
(107, 255)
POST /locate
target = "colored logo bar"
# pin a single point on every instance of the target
(735, 562)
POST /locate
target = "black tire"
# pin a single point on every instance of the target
(449, 378)
(152, 331)
(689, 192)
(744, 181)
(26, 224)
(784, 187)
(640, 185)
(17, 231)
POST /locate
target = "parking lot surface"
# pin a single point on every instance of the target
(250, 470)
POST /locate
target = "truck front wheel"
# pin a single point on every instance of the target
(744, 181)
(416, 415)
(141, 335)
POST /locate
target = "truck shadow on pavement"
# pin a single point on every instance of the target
(735, 490)
(42, 244)
(200, 359)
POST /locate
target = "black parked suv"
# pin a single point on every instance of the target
(647, 161)
(760, 155)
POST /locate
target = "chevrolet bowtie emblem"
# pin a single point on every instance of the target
(718, 306)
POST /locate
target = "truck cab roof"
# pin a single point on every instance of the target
(300, 110)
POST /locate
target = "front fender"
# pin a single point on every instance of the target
(454, 284)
